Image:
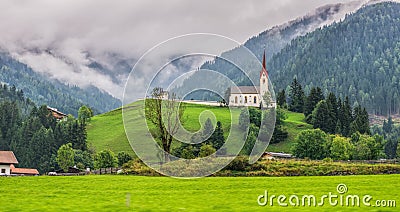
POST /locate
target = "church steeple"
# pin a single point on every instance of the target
(263, 80)
(264, 69)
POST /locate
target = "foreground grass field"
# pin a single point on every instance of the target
(133, 193)
(106, 131)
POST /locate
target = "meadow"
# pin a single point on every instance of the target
(138, 193)
(106, 131)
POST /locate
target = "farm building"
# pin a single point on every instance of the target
(7, 165)
(56, 114)
(271, 155)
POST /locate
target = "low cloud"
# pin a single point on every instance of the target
(59, 38)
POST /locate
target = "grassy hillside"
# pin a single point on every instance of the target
(106, 131)
(133, 193)
(294, 124)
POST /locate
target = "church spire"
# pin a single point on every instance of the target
(264, 69)
(264, 61)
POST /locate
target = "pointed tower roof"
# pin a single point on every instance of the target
(264, 69)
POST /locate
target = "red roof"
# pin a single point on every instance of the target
(23, 171)
(8, 157)
(57, 114)
(264, 69)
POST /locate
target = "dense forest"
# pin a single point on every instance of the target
(358, 57)
(11, 94)
(391, 133)
(40, 90)
(271, 41)
(341, 131)
(35, 136)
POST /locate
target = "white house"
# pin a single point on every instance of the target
(7, 162)
(7, 158)
(252, 95)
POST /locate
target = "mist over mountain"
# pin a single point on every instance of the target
(41, 89)
(272, 41)
(75, 70)
(358, 57)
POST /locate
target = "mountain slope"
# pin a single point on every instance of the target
(42, 90)
(358, 57)
(273, 41)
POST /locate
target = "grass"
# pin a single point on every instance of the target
(106, 131)
(294, 124)
(133, 193)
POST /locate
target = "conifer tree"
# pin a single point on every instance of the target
(312, 100)
(346, 117)
(281, 99)
(320, 116)
(296, 97)
(333, 112)
(217, 139)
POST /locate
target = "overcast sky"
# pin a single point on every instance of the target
(70, 28)
(137, 25)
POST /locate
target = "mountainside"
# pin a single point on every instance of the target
(273, 41)
(42, 90)
(358, 57)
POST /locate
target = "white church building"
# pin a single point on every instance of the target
(252, 95)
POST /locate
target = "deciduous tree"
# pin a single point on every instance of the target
(166, 115)
(65, 156)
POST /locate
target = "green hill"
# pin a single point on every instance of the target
(106, 131)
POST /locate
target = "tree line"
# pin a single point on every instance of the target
(391, 133)
(330, 114)
(36, 136)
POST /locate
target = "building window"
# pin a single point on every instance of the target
(264, 81)
(245, 99)
(255, 100)
(3, 171)
(236, 99)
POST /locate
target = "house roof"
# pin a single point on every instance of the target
(8, 157)
(23, 171)
(245, 90)
(57, 114)
(279, 154)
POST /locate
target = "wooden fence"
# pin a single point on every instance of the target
(105, 171)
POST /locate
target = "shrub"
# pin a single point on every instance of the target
(311, 144)
(105, 159)
(238, 164)
(123, 158)
(206, 150)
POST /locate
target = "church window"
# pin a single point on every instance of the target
(236, 99)
(255, 100)
(264, 81)
(245, 99)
